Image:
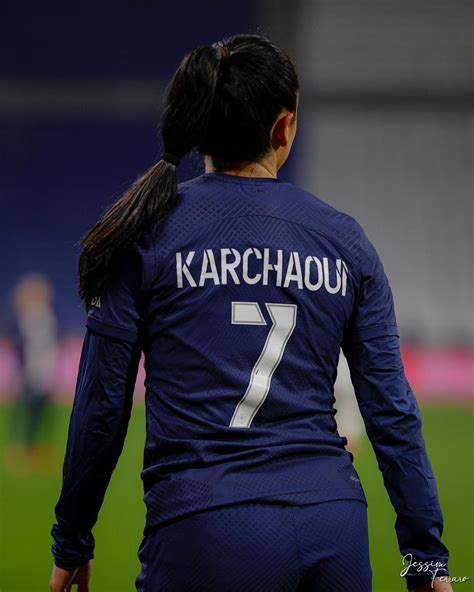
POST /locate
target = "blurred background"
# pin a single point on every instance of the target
(385, 134)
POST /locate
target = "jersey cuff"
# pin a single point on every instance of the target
(111, 330)
(70, 565)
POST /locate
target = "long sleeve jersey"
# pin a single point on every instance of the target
(241, 301)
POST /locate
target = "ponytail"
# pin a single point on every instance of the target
(188, 101)
(222, 100)
(144, 204)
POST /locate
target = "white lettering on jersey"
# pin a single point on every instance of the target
(307, 273)
(267, 266)
(279, 268)
(208, 261)
(245, 260)
(262, 266)
(184, 269)
(327, 277)
(344, 275)
(294, 263)
(229, 268)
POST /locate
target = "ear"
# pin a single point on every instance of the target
(281, 130)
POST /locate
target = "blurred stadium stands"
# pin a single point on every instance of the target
(385, 135)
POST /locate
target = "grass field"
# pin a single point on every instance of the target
(27, 501)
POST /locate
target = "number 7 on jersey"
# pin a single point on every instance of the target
(283, 318)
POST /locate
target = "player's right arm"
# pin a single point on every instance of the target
(101, 411)
(393, 423)
(97, 430)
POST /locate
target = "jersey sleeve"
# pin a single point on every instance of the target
(97, 430)
(393, 422)
(374, 313)
(121, 310)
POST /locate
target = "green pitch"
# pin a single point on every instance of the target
(27, 499)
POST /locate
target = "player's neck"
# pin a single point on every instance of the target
(266, 168)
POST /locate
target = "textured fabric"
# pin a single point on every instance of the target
(393, 423)
(260, 548)
(232, 242)
(241, 301)
(97, 431)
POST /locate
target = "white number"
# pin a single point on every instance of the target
(283, 322)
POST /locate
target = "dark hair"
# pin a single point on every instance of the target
(222, 100)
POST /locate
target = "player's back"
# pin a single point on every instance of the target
(255, 284)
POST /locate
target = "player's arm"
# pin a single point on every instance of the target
(393, 423)
(102, 405)
(97, 430)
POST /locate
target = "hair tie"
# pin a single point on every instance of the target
(171, 158)
(223, 50)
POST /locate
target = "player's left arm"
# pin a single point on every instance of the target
(393, 423)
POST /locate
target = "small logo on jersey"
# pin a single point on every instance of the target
(96, 301)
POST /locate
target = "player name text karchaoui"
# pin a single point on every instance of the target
(260, 266)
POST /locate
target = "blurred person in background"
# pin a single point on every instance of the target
(34, 335)
(348, 417)
(248, 485)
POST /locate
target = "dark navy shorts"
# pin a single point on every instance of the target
(261, 547)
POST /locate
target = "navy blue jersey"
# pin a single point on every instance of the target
(241, 301)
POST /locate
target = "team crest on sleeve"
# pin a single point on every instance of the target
(260, 266)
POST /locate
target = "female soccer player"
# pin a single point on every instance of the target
(240, 291)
